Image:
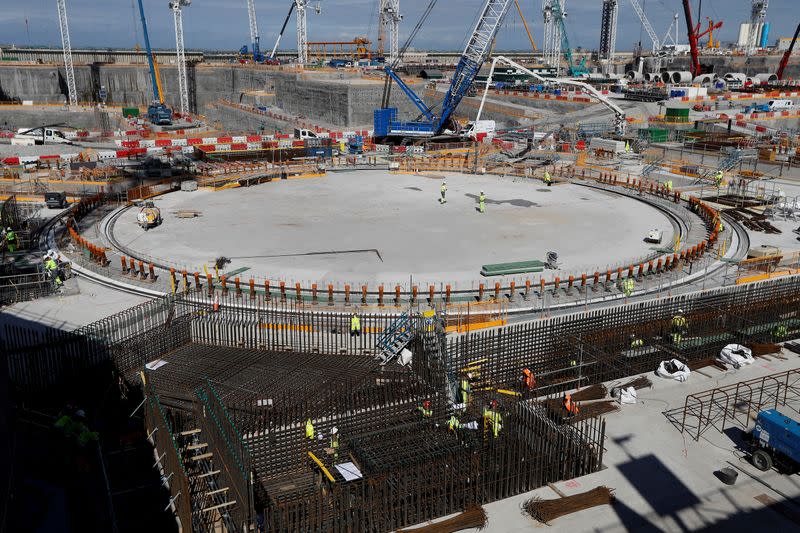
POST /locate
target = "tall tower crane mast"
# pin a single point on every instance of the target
(390, 18)
(69, 71)
(176, 7)
(302, 32)
(254, 38)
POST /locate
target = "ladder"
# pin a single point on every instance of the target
(394, 338)
(730, 161)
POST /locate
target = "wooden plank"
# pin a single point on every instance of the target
(197, 446)
(201, 456)
(218, 491)
(790, 513)
(209, 474)
(220, 506)
(189, 432)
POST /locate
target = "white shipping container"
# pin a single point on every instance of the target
(609, 145)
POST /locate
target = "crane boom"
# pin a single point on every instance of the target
(283, 28)
(149, 52)
(787, 54)
(619, 114)
(475, 54)
(69, 71)
(694, 37)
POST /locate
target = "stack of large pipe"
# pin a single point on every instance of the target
(653, 77)
(633, 75)
(766, 77)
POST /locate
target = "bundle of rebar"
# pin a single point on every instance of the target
(702, 363)
(593, 392)
(546, 511)
(474, 517)
(642, 382)
(764, 348)
(594, 409)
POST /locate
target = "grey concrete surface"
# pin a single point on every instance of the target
(81, 302)
(266, 228)
(663, 480)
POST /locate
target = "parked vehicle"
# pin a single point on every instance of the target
(55, 200)
(775, 441)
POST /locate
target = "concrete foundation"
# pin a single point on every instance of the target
(374, 227)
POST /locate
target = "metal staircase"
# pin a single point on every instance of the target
(650, 167)
(394, 338)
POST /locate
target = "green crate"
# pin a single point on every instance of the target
(130, 111)
(519, 267)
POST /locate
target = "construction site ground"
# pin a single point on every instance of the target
(377, 227)
(664, 480)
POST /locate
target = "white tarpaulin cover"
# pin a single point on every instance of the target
(627, 395)
(349, 471)
(155, 365)
(673, 369)
(736, 355)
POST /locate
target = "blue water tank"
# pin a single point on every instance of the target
(764, 35)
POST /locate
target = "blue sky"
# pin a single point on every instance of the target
(222, 24)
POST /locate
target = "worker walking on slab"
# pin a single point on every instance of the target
(443, 192)
(636, 342)
(678, 327)
(482, 203)
(548, 179)
(309, 430)
(355, 326)
(10, 239)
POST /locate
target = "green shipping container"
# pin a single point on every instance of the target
(678, 112)
(130, 111)
(658, 135)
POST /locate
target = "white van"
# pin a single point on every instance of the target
(780, 105)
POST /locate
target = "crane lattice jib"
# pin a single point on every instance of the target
(69, 71)
(475, 54)
(251, 15)
(647, 26)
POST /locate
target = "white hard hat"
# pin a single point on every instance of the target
(481, 192)
(80, 413)
(680, 310)
(334, 431)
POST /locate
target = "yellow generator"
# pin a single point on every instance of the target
(149, 216)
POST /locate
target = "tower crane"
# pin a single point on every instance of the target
(157, 112)
(694, 38)
(302, 32)
(176, 7)
(475, 53)
(255, 40)
(390, 18)
(72, 95)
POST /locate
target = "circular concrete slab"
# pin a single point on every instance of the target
(375, 227)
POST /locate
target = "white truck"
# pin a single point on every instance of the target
(40, 135)
(780, 105)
